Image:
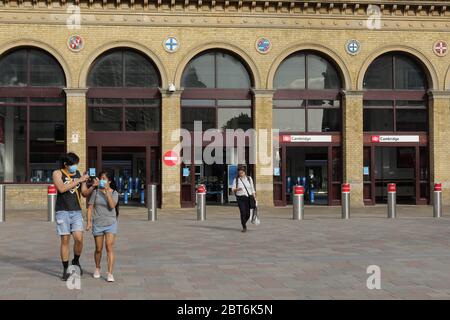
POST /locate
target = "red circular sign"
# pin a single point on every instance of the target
(201, 189)
(392, 187)
(346, 187)
(170, 158)
(438, 187)
(51, 190)
(299, 190)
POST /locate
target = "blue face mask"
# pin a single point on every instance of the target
(73, 168)
(102, 184)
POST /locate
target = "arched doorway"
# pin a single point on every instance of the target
(32, 115)
(396, 129)
(307, 112)
(123, 107)
(217, 94)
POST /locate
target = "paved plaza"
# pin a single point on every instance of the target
(177, 257)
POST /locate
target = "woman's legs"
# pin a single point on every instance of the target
(110, 239)
(244, 209)
(98, 250)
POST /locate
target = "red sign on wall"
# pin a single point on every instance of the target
(170, 158)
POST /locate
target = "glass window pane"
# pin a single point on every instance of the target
(197, 103)
(336, 164)
(13, 124)
(409, 103)
(231, 73)
(107, 71)
(234, 118)
(411, 120)
(45, 70)
(200, 72)
(104, 101)
(291, 73)
(408, 74)
(234, 103)
(13, 69)
(139, 71)
(142, 119)
(142, 102)
(47, 141)
(378, 103)
(289, 103)
(47, 100)
(289, 120)
(379, 74)
(206, 115)
(324, 120)
(105, 119)
(321, 73)
(324, 103)
(378, 120)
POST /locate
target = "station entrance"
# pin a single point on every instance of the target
(317, 168)
(133, 169)
(406, 166)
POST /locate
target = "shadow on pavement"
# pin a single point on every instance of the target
(42, 265)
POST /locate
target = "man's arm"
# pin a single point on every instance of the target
(60, 185)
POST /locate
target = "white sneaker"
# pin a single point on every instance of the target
(110, 278)
(97, 274)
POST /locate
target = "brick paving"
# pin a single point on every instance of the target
(177, 257)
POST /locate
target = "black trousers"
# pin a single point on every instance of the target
(244, 208)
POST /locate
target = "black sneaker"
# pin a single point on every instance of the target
(244, 230)
(65, 275)
(79, 266)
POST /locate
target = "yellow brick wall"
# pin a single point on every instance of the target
(196, 32)
(26, 197)
(352, 145)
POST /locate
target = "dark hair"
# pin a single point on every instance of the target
(241, 168)
(112, 184)
(69, 159)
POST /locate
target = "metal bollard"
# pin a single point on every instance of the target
(51, 203)
(392, 200)
(345, 199)
(2, 202)
(201, 203)
(298, 202)
(152, 202)
(437, 200)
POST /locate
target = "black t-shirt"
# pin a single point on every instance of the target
(68, 201)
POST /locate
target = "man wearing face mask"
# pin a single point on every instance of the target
(71, 185)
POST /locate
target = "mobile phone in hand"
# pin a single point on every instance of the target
(92, 173)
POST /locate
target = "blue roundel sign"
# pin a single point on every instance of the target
(171, 44)
(263, 45)
(352, 47)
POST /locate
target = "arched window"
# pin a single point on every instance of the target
(227, 103)
(32, 115)
(216, 69)
(307, 97)
(123, 92)
(395, 98)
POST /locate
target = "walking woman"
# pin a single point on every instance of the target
(69, 219)
(245, 195)
(102, 219)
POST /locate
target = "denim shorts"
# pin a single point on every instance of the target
(100, 231)
(68, 222)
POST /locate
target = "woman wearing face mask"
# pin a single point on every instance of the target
(69, 220)
(102, 218)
